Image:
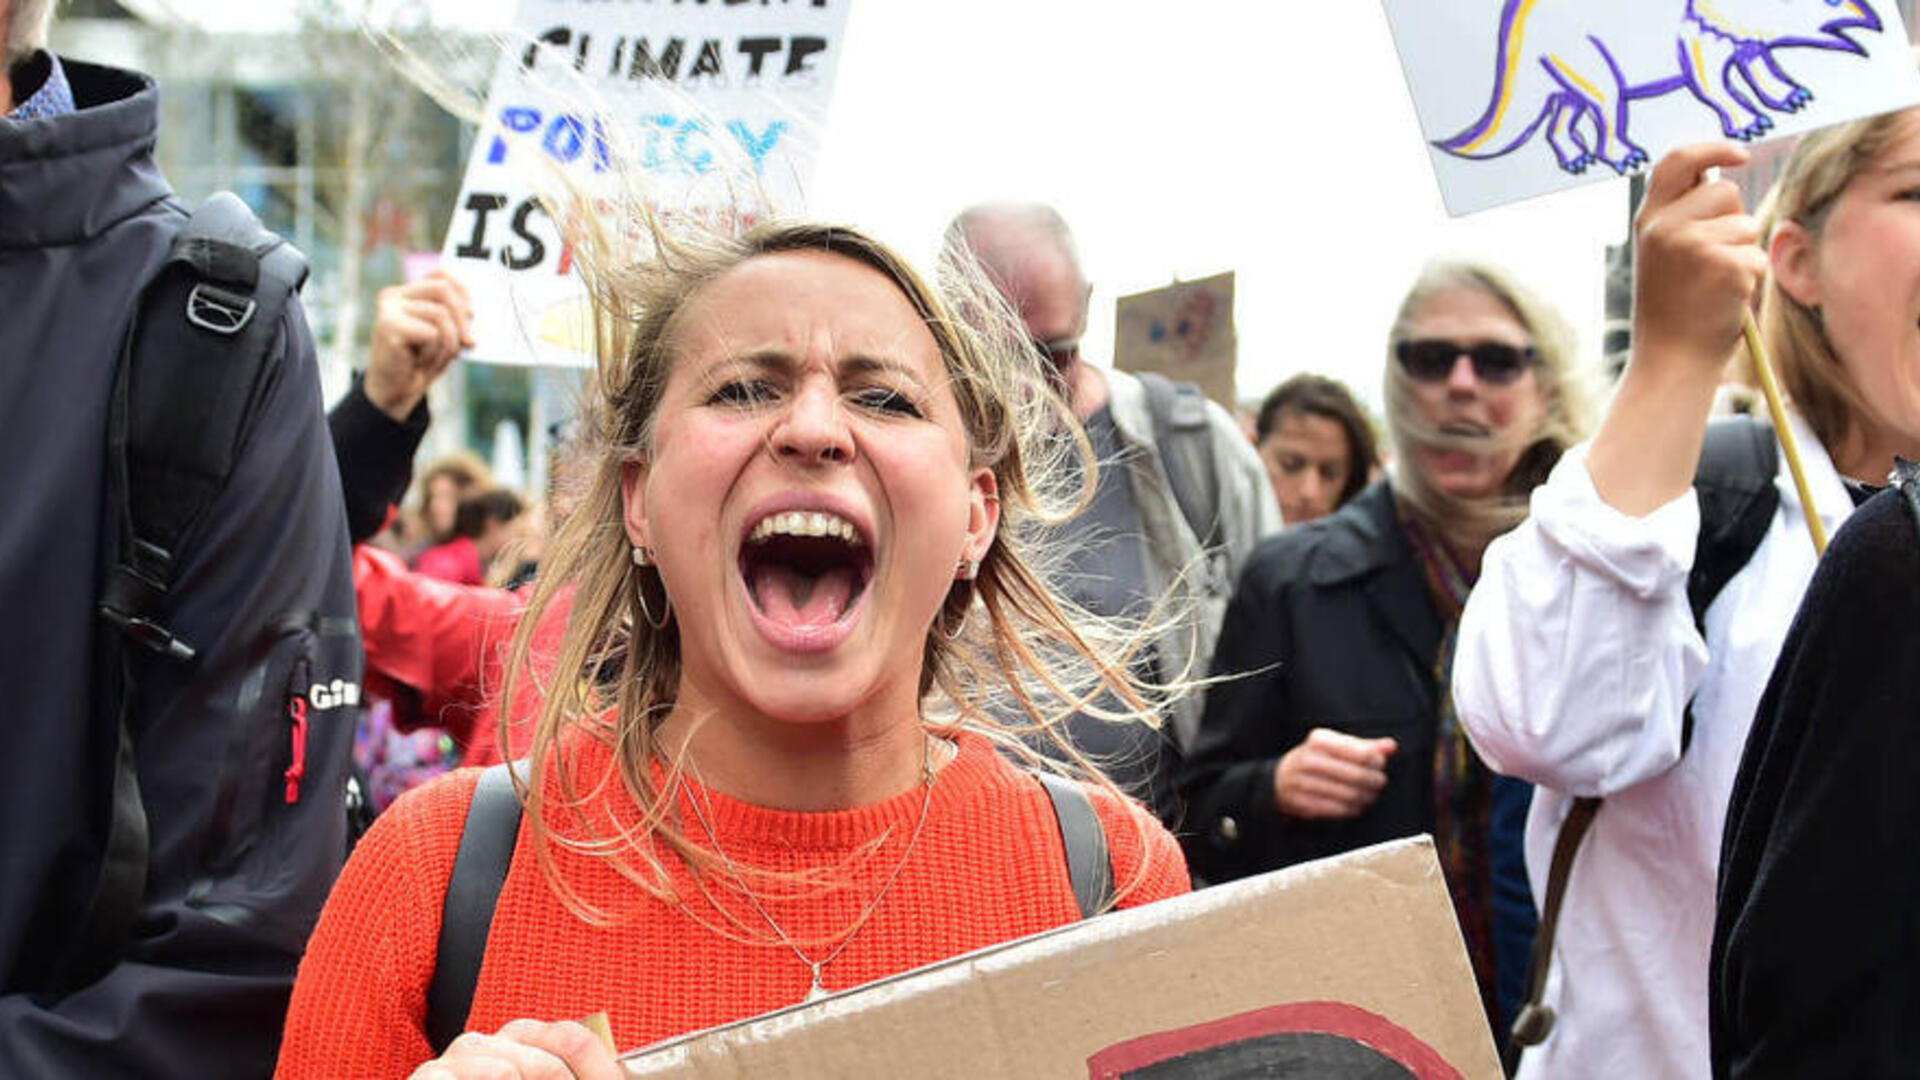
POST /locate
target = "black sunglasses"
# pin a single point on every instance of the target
(1493, 363)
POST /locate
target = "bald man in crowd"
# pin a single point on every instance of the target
(1182, 497)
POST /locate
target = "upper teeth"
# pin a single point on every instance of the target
(800, 523)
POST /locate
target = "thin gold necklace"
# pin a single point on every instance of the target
(818, 988)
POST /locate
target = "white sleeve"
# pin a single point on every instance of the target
(1577, 650)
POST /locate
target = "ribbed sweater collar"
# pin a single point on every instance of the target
(743, 824)
(845, 830)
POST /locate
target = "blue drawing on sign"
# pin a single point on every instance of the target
(1566, 76)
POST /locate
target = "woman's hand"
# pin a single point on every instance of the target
(1697, 262)
(525, 1050)
(418, 329)
(1331, 775)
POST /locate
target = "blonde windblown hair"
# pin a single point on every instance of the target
(1026, 653)
(1566, 395)
(1821, 166)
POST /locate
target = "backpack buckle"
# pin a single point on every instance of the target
(152, 635)
(215, 309)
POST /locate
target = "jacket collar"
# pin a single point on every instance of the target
(1363, 544)
(1361, 539)
(65, 179)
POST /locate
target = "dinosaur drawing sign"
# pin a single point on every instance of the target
(1521, 97)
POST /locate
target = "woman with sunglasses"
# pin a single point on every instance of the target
(1340, 732)
(1581, 665)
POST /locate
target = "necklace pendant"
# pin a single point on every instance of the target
(818, 990)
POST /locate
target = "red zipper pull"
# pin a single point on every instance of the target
(297, 709)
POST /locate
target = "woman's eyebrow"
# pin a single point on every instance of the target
(1909, 166)
(862, 364)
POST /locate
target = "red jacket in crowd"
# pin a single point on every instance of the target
(448, 645)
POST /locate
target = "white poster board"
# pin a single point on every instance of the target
(721, 103)
(1517, 98)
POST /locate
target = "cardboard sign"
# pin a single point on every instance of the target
(1521, 97)
(1348, 968)
(1184, 331)
(719, 105)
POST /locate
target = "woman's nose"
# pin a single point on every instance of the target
(1461, 379)
(814, 428)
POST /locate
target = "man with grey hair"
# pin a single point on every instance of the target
(1180, 498)
(179, 700)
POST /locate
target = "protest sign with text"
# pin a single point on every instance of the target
(1522, 97)
(715, 108)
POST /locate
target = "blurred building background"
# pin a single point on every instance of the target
(313, 123)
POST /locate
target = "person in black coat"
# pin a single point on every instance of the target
(1815, 969)
(1331, 728)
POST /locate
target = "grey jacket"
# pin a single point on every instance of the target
(1175, 560)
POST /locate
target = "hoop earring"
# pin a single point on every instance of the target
(642, 557)
(967, 570)
(961, 627)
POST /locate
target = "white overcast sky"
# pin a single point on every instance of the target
(1180, 140)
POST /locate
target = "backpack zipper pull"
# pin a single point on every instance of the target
(297, 710)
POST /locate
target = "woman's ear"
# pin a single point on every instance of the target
(983, 514)
(633, 497)
(1794, 258)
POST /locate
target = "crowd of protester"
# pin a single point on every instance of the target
(855, 583)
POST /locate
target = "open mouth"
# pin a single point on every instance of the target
(805, 570)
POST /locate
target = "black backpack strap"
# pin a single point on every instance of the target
(187, 381)
(1180, 434)
(1089, 863)
(479, 870)
(199, 340)
(1738, 501)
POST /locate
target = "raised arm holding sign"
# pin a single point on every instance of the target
(1595, 661)
(1617, 642)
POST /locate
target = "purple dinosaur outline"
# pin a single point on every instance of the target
(1733, 72)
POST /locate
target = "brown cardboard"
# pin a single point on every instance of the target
(1363, 950)
(1184, 331)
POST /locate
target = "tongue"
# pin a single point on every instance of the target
(788, 596)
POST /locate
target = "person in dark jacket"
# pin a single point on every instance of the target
(230, 750)
(1331, 728)
(1815, 967)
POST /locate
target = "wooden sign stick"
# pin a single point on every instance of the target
(1776, 406)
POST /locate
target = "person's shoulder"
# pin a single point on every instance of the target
(1882, 533)
(1349, 540)
(423, 826)
(1876, 555)
(1148, 864)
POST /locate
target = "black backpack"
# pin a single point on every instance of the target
(241, 718)
(1738, 501)
(493, 827)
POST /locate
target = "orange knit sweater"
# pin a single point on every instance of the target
(989, 866)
